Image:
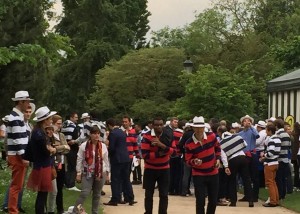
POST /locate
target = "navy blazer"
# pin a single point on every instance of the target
(117, 149)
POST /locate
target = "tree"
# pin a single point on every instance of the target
(214, 92)
(26, 49)
(100, 30)
(142, 84)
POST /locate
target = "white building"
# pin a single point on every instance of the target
(284, 97)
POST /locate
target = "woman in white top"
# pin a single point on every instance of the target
(92, 166)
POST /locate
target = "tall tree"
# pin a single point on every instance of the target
(27, 49)
(100, 30)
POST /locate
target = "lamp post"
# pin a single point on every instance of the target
(188, 65)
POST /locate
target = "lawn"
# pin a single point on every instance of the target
(290, 202)
(29, 197)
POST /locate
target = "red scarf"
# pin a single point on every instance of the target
(98, 157)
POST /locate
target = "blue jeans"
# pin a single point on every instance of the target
(5, 203)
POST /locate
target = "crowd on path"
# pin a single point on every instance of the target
(216, 157)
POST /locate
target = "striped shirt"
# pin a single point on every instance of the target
(68, 130)
(285, 145)
(131, 142)
(208, 150)
(273, 150)
(232, 145)
(17, 137)
(85, 132)
(177, 133)
(151, 154)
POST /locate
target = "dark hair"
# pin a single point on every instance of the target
(94, 129)
(271, 127)
(296, 129)
(156, 118)
(111, 122)
(222, 129)
(279, 123)
(71, 115)
(127, 117)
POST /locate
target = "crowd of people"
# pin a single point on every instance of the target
(216, 157)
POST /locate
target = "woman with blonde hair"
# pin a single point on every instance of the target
(62, 148)
(41, 174)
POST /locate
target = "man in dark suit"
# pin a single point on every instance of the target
(119, 162)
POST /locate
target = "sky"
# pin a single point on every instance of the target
(172, 13)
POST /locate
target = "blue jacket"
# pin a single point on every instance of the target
(117, 149)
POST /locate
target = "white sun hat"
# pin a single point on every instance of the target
(43, 113)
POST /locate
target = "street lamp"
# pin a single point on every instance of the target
(188, 65)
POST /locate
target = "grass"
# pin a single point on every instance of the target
(290, 202)
(29, 197)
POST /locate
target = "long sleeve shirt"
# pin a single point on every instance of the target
(81, 158)
(17, 136)
(152, 154)
(285, 145)
(208, 150)
(272, 150)
(250, 135)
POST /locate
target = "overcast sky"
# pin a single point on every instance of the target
(172, 13)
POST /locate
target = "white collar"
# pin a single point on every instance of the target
(197, 141)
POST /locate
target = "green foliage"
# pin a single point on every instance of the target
(99, 31)
(215, 92)
(142, 84)
(288, 52)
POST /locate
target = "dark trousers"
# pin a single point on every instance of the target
(186, 178)
(60, 180)
(223, 184)
(296, 172)
(128, 194)
(175, 175)
(281, 178)
(71, 168)
(211, 183)
(254, 175)
(239, 165)
(41, 202)
(120, 179)
(137, 173)
(162, 177)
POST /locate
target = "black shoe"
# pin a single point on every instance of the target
(131, 203)
(102, 193)
(122, 202)
(111, 203)
(269, 205)
(232, 204)
(243, 199)
(220, 203)
(251, 204)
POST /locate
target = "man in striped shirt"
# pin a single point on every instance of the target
(71, 132)
(203, 154)
(17, 140)
(270, 159)
(283, 168)
(156, 150)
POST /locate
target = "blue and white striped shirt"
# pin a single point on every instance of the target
(272, 150)
(285, 145)
(17, 136)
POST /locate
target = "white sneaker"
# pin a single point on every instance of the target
(268, 201)
(74, 189)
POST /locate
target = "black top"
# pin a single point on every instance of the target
(117, 149)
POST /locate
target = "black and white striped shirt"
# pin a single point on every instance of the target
(232, 144)
(285, 145)
(69, 130)
(17, 137)
(272, 151)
